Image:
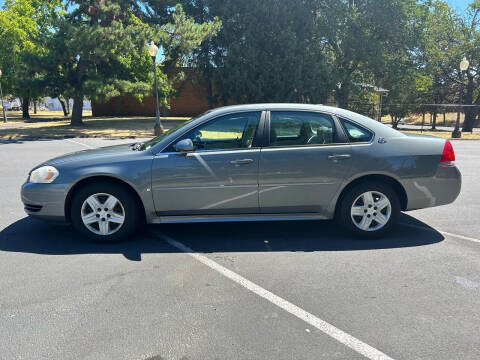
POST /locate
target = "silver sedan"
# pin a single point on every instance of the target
(249, 162)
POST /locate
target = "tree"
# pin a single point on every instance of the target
(409, 89)
(441, 34)
(265, 52)
(364, 38)
(450, 37)
(100, 47)
(24, 24)
(469, 46)
(91, 45)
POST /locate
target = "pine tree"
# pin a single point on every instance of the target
(101, 45)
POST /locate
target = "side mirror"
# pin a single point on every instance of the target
(184, 146)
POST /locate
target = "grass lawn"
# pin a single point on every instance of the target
(416, 119)
(444, 134)
(55, 125)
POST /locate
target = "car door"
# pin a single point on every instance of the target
(219, 177)
(304, 164)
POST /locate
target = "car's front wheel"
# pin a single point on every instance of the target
(105, 212)
(369, 209)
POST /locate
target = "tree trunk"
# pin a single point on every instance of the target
(25, 108)
(67, 100)
(210, 93)
(77, 111)
(444, 119)
(434, 120)
(76, 119)
(64, 108)
(34, 107)
(469, 120)
(394, 122)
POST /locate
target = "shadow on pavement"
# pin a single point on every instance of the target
(33, 236)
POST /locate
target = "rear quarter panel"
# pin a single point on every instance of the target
(413, 162)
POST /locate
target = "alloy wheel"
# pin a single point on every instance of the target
(102, 214)
(371, 211)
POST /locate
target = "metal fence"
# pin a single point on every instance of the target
(420, 114)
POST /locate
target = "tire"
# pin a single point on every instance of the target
(369, 216)
(105, 224)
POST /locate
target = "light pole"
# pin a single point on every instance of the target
(1, 96)
(153, 50)
(456, 134)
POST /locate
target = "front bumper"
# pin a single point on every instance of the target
(45, 201)
(441, 189)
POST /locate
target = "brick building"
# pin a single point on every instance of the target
(190, 100)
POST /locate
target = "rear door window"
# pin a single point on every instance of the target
(293, 128)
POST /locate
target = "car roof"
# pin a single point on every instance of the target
(272, 106)
(377, 127)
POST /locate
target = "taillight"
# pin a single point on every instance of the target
(448, 154)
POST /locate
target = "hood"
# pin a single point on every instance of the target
(90, 154)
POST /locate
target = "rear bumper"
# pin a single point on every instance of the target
(45, 201)
(441, 189)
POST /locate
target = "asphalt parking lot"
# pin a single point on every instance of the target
(272, 290)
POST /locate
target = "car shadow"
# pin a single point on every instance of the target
(33, 236)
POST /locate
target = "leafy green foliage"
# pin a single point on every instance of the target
(365, 39)
(24, 26)
(93, 49)
(265, 52)
(245, 51)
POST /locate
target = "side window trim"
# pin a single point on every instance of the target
(260, 133)
(262, 118)
(340, 137)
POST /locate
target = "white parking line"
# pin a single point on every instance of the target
(82, 144)
(461, 236)
(330, 330)
(441, 232)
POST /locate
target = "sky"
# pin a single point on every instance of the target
(459, 4)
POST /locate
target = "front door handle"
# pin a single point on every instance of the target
(339, 156)
(241, 161)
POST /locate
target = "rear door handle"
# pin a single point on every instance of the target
(241, 161)
(339, 156)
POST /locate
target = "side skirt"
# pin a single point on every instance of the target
(235, 218)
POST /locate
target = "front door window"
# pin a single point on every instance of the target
(229, 132)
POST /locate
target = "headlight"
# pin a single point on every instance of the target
(43, 175)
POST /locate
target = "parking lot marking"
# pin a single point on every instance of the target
(330, 330)
(82, 144)
(461, 236)
(442, 232)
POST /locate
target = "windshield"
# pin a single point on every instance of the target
(148, 144)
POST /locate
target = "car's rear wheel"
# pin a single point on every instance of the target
(369, 209)
(105, 212)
